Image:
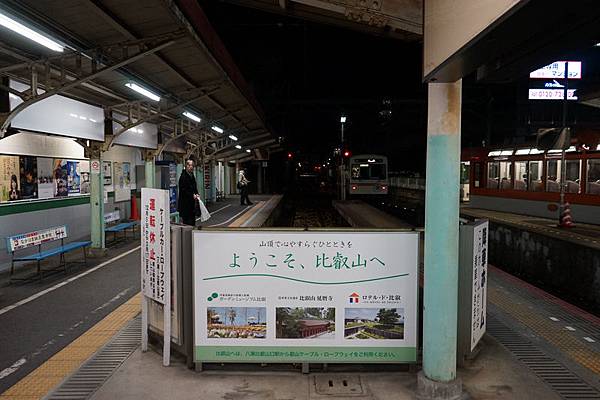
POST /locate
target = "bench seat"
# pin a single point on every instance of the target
(120, 227)
(53, 252)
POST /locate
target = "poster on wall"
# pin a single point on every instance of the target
(84, 168)
(9, 181)
(127, 174)
(73, 177)
(60, 178)
(122, 189)
(28, 177)
(107, 172)
(275, 296)
(45, 178)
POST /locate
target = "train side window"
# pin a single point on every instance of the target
(505, 175)
(493, 180)
(534, 180)
(573, 176)
(477, 175)
(552, 176)
(521, 175)
(593, 177)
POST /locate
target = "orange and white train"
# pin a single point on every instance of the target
(525, 180)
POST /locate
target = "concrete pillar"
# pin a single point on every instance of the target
(150, 172)
(97, 203)
(213, 182)
(438, 380)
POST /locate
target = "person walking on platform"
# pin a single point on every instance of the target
(243, 186)
(188, 194)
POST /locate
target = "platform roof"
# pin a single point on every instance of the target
(166, 46)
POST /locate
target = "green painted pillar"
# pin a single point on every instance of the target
(150, 172)
(179, 171)
(441, 231)
(97, 203)
(200, 181)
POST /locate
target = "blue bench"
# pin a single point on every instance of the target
(115, 217)
(38, 238)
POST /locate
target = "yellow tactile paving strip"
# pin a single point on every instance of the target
(544, 327)
(43, 379)
(246, 216)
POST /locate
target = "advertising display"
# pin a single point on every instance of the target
(28, 174)
(310, 296)
(35, 238)
(9, 178)
(107, 172)
(556, 70)
(551, 94)
(122, 186)
(46, 183)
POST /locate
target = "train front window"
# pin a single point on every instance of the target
(360, 171)
(378, 171)
(593, 177)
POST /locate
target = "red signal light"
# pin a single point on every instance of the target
(347, 153)
(290, 155)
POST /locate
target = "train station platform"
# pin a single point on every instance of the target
(581, 234)
(49, 328)
(359, 214)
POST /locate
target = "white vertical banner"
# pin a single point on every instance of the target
(479, 289)
(156, 261)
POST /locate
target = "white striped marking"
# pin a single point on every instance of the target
(554, 319)
(12, 369)
(66, 282)
(216, 211)
(589, 339)
(570, 328)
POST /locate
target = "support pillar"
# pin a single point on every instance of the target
(213, 182)
(149, 170)
(438, 378)
(96, 202)
(259, 176)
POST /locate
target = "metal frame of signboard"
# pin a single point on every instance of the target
(417, 301)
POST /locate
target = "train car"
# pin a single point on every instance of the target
(368, 175)
(527, 181)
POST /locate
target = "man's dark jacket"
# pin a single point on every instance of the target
(187, 190)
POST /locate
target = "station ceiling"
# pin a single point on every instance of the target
(400, 19)
(166, 47)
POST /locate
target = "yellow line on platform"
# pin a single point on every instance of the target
(562, 339)
(44, 378)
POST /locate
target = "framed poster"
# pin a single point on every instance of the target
(310, 296)
(9, 178)
(107, 172)
(28, 174)
(46, 185)
(60, 178)
(73, 177)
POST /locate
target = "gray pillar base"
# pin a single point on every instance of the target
(428, 389)
(96, 252)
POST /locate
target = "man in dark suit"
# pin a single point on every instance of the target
(188, 193)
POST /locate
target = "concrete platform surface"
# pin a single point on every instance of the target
(495, 374)
(362, 215)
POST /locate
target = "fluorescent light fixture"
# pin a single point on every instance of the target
(233, 137)
(29, 33)
(571, 149)
(364, 165)
(506, 153)
(521, 152)
(192, 116)
(342, 119)
(494, 153)
(217, 129)
(247, 150)
(237, 146)
(143, 91)
(536, 151)
(554, 151)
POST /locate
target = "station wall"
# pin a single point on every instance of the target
(73, 211)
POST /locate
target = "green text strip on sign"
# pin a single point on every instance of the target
(277, 296)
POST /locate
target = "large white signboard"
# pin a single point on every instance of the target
(556, 70)
(479, 290)
(277, 296)
(144, 135)
(156, 244)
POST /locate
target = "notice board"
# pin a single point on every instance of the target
(305, 296)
